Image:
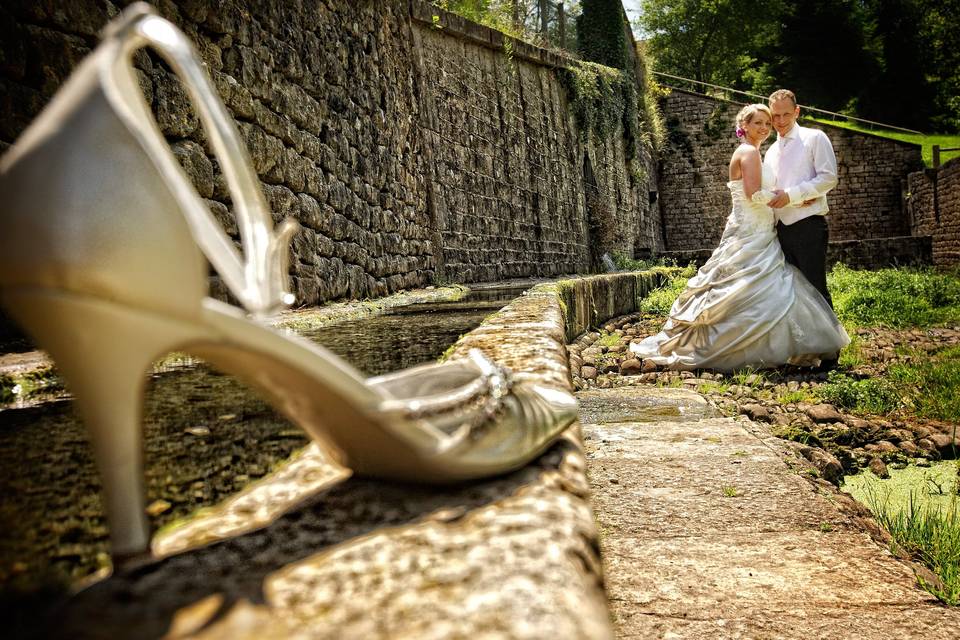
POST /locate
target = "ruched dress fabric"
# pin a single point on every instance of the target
(746, 306)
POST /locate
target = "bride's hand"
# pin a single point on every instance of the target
(807, 203)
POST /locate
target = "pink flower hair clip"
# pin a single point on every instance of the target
(740, 132)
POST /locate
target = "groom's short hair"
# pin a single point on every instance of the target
(782, 94)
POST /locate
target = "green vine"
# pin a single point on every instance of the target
(597, 97)
(717, 124)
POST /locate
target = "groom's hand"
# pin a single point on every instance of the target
(780, 199)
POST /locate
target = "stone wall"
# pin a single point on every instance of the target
(408, 143)
(867, 203)
(933, 203)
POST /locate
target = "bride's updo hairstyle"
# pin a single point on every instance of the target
(747, 113)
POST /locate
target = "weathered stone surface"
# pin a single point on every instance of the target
(431, 154)
(937, 216)
(756, 412)
(945, 444)
(826, 463)
(709, 534)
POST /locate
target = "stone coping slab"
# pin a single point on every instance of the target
(708, 532)
(309, 551)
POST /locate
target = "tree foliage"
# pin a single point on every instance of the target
(601, 34)
(897, 61)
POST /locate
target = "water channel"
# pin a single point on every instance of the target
(205, 437)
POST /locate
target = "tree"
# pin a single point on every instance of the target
(824, 53)
(715, 41)
(896, 61)
(901, 56)
(601, 33)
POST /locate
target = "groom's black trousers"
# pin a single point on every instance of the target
(804, 245)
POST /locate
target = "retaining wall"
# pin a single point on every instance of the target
(413, 146)
(933, 203)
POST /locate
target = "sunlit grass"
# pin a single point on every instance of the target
(661, 299)
(934, 386)
(870, 395)
(894, 298)
(926, 141)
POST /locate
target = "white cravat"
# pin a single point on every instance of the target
(804, 165)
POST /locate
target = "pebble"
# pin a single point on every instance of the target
(631, 367)
(824, 413)
(879, 468)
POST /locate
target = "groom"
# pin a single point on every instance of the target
(805, 168)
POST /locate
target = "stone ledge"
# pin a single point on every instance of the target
(512, 557)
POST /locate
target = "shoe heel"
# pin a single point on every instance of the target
(103, 351)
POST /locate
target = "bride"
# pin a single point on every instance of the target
(746, 306)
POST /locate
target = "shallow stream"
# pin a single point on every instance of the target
(205, 437)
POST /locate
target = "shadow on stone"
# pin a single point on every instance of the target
(143, 602)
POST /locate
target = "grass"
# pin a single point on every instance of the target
(932, 387)
(607, 339)
(895, 298)
(21, 385)
(713, 387)
(796, 397)
(661, 299)
(926, 141)
(624, 263)
(851, 356)
(748, 377)
(924, 523)
(730, 491)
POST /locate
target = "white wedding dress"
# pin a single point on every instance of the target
(746, 306)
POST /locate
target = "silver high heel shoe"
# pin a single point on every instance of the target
(102, 261)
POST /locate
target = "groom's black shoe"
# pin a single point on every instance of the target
(826, 366)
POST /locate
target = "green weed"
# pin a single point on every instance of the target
(713, 387)
(730, 491)
(795, 397)
(932, 387)
(661, 299)
(607, 339)
(871, 395)
(929, 534)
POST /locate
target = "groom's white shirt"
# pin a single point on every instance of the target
(804, 166)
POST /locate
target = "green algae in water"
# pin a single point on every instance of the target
(934, 486)
(919, 507)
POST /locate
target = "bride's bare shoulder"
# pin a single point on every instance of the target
(746, 151)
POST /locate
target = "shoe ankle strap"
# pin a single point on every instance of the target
(259, 277)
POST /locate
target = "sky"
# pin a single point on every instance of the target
(633, 10)
(632, 7)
